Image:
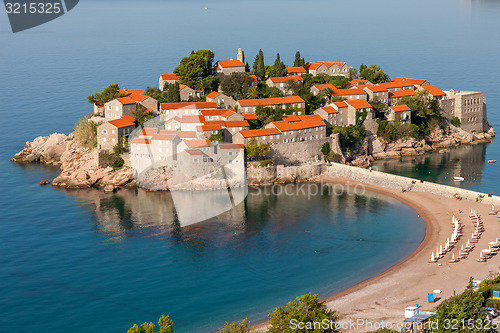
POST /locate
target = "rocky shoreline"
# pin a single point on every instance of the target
(80, 165)
(375, 148)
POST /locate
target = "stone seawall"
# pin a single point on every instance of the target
(314, 172)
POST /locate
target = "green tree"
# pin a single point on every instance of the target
(305, 309)
(108, 94)
(373, 73)
(85, 132)
(279, 68)
(236, 85)
(299, 62)
(464, 308)
(216, 137)
(254, 150)
(379, 107)
(328, 94)
(195, 70)
(325, 149)
(141, 115)
(455, 121)
(253, 93)
(237, 327)
(424, 111)
(165, 323)
(259, 69)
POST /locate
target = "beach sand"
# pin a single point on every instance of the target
(385, 296)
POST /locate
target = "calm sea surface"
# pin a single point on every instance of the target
(88, 261)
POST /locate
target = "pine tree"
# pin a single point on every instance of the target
(243, 56)
(247, 67)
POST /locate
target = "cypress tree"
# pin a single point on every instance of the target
(297, 61)
(261, 69)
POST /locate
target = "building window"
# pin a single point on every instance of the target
(103, 139)
(104, 132)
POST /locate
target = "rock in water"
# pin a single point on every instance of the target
(44, 182)
(46, 149)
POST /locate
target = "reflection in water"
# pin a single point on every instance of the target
(465, 161)
(154, 213)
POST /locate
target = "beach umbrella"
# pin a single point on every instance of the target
(440, 249)
(437, 252)
(453, 256)
(432, 257)
(462, 247)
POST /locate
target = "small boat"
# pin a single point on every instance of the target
(492, 161)
(458, 179)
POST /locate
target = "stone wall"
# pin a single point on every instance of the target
(298, 152)
(311, 172)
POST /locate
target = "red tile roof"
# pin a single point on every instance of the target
(230, 63)
(401, 93)
(249, 116)
(400, 108)
(227, 113)
(307, 117)
(186, 134)
(192, 119)
(293, 70)
(340, 104)
(357, 81)
(164, 137)
(213, 94)
(167, 132)
(209, 128)
(124, 121)
(177, 119)
(346, 92)
(141, 141)
(259, 132)
(198, 143)
(169, 76)
(188, 105)
(359, 104)
(254, 78)
(397, 84)
(148, 131)
(414, 81)
(322, 87)
(376, 89)
(283, 79)
(284, 126)
(271, 101)
(231, 146)
(127, 92)
(311, 65)
(434, 91)
(291, 117)
(194, 152)
(236, 123)
(329, 109)
(131, 99)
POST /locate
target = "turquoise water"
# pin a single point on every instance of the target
(87, 261)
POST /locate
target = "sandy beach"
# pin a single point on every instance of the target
(383, 298)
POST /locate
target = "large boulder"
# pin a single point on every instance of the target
(48, 149)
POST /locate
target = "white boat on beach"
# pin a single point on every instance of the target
(458, 179)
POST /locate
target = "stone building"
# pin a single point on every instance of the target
(250, 105)
(333, 116)
(167, 78)
(185, 108)
(112, 132)
(123, 106)
(468, 106)
(330, 68)
(228, 67)
(221, 99)
(295, 71)
(400, 114)
(376, 92)
(435, 93)
(188, 93)
(281, 83)
(359, 105)
(395, 97)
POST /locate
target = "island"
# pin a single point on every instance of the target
(210, 114)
